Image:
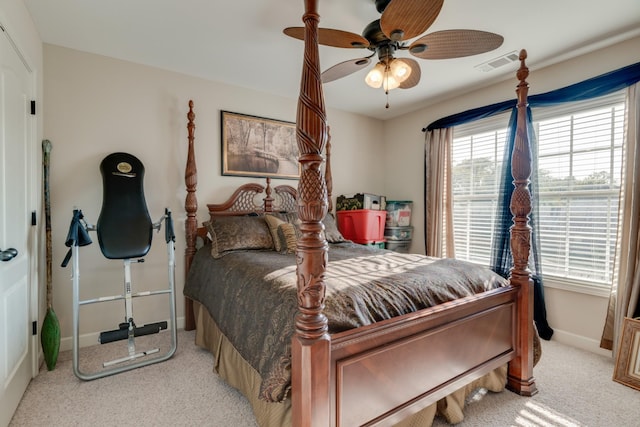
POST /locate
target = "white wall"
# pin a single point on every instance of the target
(97, 105)
(577, 318)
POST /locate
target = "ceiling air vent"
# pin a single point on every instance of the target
(498, 62)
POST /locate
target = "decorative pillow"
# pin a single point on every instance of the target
(273, 223)
(331, 232)
(288, 238)
(233, 233)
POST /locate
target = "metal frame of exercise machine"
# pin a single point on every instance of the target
(126, 169)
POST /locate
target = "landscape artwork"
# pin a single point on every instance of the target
(257, 146)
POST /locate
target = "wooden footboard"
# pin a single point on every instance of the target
(385, 372)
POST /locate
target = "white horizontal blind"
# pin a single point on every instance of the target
(579, 165)
(475, 176)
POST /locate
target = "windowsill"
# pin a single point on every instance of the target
(575, 286)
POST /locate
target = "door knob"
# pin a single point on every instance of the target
(8, 255)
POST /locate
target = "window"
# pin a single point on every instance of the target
(579, 164)
(475, 179)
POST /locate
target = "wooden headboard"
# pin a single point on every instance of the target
(245, 200)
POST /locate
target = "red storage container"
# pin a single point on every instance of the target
(362, 226)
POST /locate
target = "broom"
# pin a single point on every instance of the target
(50, 333)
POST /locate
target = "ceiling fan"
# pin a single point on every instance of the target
(400, 21)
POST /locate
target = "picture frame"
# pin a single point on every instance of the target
(627, 369)
(257, 146)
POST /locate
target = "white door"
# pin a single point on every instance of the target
(16, 342)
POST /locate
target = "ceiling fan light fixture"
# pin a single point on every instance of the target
(389, 75)
(376, 76)
(400, 70)
(389, 82)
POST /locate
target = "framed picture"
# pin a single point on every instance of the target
(627, 370)
(256, 146)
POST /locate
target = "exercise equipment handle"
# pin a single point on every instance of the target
(169, 235)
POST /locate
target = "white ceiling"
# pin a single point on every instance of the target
(241, 42)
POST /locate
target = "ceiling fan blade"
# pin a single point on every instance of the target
(331, 37)
(406, 19)
(414, 77)
(455, 44)
(344, 69)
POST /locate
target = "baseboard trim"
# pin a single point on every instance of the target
(580, 342)
(91, 338)
(560, 336)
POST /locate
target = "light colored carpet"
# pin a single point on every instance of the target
(575, 389)
(182, 391)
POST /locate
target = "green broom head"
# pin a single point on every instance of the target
(50, 338)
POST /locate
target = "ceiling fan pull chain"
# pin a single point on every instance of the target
(386, 76)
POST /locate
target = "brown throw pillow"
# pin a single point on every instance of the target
(232, 233)
(331, 232)
(288, 238)
(273, 223)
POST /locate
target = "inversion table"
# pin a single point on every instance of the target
(124, 232)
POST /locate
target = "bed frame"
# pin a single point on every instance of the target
(382, 373)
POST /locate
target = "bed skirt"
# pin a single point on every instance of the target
(238, 373)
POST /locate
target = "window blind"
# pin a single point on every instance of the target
(476, 166)
(579, 166)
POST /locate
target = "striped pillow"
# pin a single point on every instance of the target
(287, 237)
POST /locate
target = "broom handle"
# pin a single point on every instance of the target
(46, 155)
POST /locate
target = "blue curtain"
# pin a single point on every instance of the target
(501, 261)
(591, 88)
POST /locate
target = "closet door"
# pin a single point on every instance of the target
(16, 342)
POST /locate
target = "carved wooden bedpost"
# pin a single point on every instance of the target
(328, 177)
(191, 206)
(268, 200)
(520, 378)
(311, 342)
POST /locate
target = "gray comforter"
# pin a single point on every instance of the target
(252, 297)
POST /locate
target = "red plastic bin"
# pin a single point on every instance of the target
(363, 225)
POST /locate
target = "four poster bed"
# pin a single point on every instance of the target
(394, 358)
